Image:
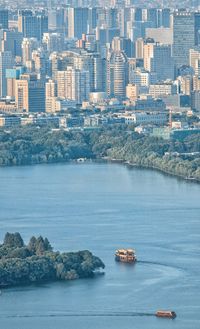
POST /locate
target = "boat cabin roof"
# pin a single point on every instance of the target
(131, 251)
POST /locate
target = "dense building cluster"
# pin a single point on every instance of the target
(121, 56)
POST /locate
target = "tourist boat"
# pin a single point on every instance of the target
(166, 314)
(125, 255)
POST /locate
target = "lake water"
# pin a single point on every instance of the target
(102, 207)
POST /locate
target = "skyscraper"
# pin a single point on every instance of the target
(6, 62)
(32, 26)
(3, 18)
(28, 45)
(77, 22)
(12, 75)
(183, 33)
(12, 41)
(117, 74)
(73, 84)
(195, 60)
(158, 59)
(30, 94)
(197, 28)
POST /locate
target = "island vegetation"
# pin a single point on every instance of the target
(32, 145)
(36, 262)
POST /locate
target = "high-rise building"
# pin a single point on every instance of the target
(105, 35)
(53, 41)
(194, 60)
(137, 14)
(3, 19)
(28, 45)
(31, 25)
(164, 17)
(73, 84)
(77, 22)
(51, 95)
(186, 84)
(117, 74)
(56, 20)
(40, 63)
(12, 41)
(197, 28)
(139, 48)
(152, 16)
(183, 34)
(12, 75)
(124, 44)
(6, 62)
(158, 59)
(30, 94)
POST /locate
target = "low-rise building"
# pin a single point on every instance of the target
(10, 121)
(160, 89)
(146, 118)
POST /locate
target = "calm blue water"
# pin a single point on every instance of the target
(102, 207)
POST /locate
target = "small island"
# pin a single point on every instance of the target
(36, 262)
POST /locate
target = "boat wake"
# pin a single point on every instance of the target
(80, 314)
(161, 264)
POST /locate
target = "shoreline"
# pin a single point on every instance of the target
(111, 160)
(135, 165)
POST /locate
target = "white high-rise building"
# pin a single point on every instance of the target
(117, 74)
(73, 84)
(28, 45)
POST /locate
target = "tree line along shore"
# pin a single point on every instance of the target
(34, 145)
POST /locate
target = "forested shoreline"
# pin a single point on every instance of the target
(33, 145)
(36, 262)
